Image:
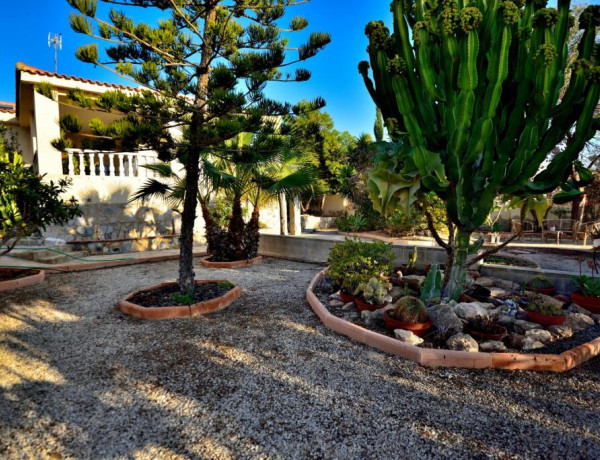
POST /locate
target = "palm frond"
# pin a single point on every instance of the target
(152, 189)
(164, 170)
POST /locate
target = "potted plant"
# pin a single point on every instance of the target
(353, 262)
(544, 312)
(541, 285)
(485, 328)
(375, 294)
(588, 293)
(408, 313)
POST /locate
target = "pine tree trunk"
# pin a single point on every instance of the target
(188, 217)
(192, 166)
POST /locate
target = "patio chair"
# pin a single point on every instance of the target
(528, 228)
(585, 229)
(558, 228)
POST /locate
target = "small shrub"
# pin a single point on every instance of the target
(353, 223)
(544, 307)
(361, 259)
(539, 282)
(588, 285)
(183, 299)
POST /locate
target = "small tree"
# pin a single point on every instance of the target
(474, 96)
(205, 66)
(27, 204)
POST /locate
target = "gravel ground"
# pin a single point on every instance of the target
(261, 379)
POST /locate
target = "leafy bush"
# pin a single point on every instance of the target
(358, 261)
(27, 204)
(353, 223)
(587, 285)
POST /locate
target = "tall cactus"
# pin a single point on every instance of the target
(473, 95)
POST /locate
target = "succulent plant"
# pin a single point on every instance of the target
(539, 282)
(409, 309)
(544, 307)
(375, 291)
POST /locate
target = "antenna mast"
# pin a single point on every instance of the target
(56, 41)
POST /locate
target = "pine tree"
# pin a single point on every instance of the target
(205, 67)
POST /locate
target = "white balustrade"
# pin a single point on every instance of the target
(120, 164)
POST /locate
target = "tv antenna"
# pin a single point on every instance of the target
(56, 41)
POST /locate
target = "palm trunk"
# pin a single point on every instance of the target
(212, 230)
(236, 230)
(283, 228)
(252, 234)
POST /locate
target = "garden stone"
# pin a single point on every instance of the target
(521, 314)
(396, 293)
(496, 292)
(414, 281)
(462, 342)
(492, 346)
(539, 335)
(486, 282)
(326, 285)
(514, 340)
(506, 320)
(530, 343)
(522, 326)
(378, 314)
(348, 306)
(471, 310)
(578, 321)
(444, 318)
(335, 295)
(574, 308)
(367, 316)
(595, 317)
(561, 332)
(336, 303)
(407, 337)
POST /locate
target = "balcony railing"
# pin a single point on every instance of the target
(109, 164)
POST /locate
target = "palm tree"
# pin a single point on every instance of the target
(249, 167)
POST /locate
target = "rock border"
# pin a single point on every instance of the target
(451, 358)
(179, 311)
(24, 281)
(235, 264)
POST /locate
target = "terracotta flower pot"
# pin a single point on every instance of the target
(416, 328)
(589, 303)
(545, 291)
(546, 320)
(363, 305)
(487, 336)
(347, 297)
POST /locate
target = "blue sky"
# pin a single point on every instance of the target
(335, 74)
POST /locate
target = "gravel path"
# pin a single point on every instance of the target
(262, 379)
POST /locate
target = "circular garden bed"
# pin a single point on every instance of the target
(206, 262)
(12, 278)
(164, 300)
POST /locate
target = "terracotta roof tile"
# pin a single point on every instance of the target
(35, 71)
(7, 107)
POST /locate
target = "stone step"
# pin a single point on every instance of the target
(53, 259)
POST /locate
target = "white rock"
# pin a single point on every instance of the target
(497, 292)
(348, 306)
(485, 282)
(561, 332)
(531, 344)
(336, 303)
(522, 326)
(492, 346)
(578, 321)
(407, 336)
(577, 309)
(462, 342)
(378, 314)
(539, 335)
(469, 310)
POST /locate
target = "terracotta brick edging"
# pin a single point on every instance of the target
(29, 280)
(235, 264)
(450, 358)
(179, 311)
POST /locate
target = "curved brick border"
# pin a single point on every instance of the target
(30, 280)
(235, 264)
(179, 311)
(449, 358)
